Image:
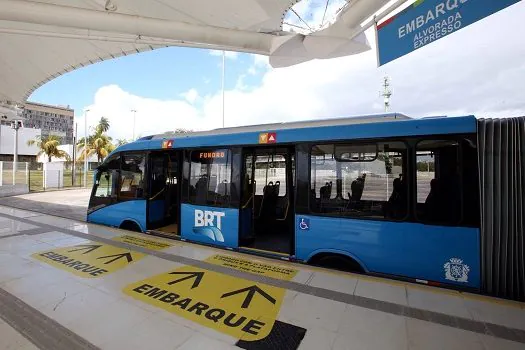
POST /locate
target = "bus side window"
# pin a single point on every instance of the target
(438, 182)
(131, 182)
(359, 180)
(105, 184)
(210, 177)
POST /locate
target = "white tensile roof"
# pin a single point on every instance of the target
(42, 39)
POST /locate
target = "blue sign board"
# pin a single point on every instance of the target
(426, 21)
(219, 226)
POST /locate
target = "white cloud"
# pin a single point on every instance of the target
(479, 70)
(191, 95)
(232, 55)
(152, 115)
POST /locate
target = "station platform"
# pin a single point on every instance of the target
(66, 284)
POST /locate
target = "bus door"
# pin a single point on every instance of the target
(267, 202)
(164, 192)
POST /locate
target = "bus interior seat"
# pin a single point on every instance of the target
(357, 187)
(223, 187)
(325, 192)
(396, 207)
(267, 213)
(223, 192)
(201, 190)
(434, 202)
(213, 181)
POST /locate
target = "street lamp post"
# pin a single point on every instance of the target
(85, 147)
(15, 125)
(223, 68)
(74, 166)
(134, 112)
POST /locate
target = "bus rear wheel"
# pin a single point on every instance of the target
(337, 262)
(130, 226)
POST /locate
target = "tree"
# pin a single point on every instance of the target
(48, 145)
(99, 143)
(103, 125)
(120, 142)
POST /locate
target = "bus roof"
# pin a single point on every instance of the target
(365, 119)
(361, 127)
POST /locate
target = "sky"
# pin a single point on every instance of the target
(478, 70)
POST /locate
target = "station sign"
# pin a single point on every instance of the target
(426, 21)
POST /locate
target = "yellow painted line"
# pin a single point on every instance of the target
(234, 306)
(89, 260)
(281, 272)
(144, 242)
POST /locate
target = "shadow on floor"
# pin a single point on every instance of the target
(65, 211)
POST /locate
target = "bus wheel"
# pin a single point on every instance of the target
(336, 262)
(130, 226)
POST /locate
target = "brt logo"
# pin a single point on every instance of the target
(208, 223)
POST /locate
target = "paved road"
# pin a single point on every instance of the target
(70, 204)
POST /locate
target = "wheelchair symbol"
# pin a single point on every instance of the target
(304, 224)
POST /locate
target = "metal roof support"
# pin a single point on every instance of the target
(62, 16)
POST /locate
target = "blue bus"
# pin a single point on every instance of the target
(434, 200)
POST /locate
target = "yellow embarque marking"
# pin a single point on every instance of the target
(254, 267)
(89, 260)
(234, 306)
(144, 242)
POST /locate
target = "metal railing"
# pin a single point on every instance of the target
(10, 176)
(37, 179)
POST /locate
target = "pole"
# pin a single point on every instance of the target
(223, 68)
(85, 147)
(15, 152)
(134, 112)
(74, 166)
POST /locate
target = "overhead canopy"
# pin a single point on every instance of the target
(43, 39)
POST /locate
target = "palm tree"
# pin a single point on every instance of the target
(120, 142)
(48, 145)
(99, 143)
(103, 125)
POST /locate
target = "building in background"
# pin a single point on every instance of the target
(38, 119)
(7, 144)
(52, 120)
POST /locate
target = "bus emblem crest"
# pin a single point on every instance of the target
(456, 271)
